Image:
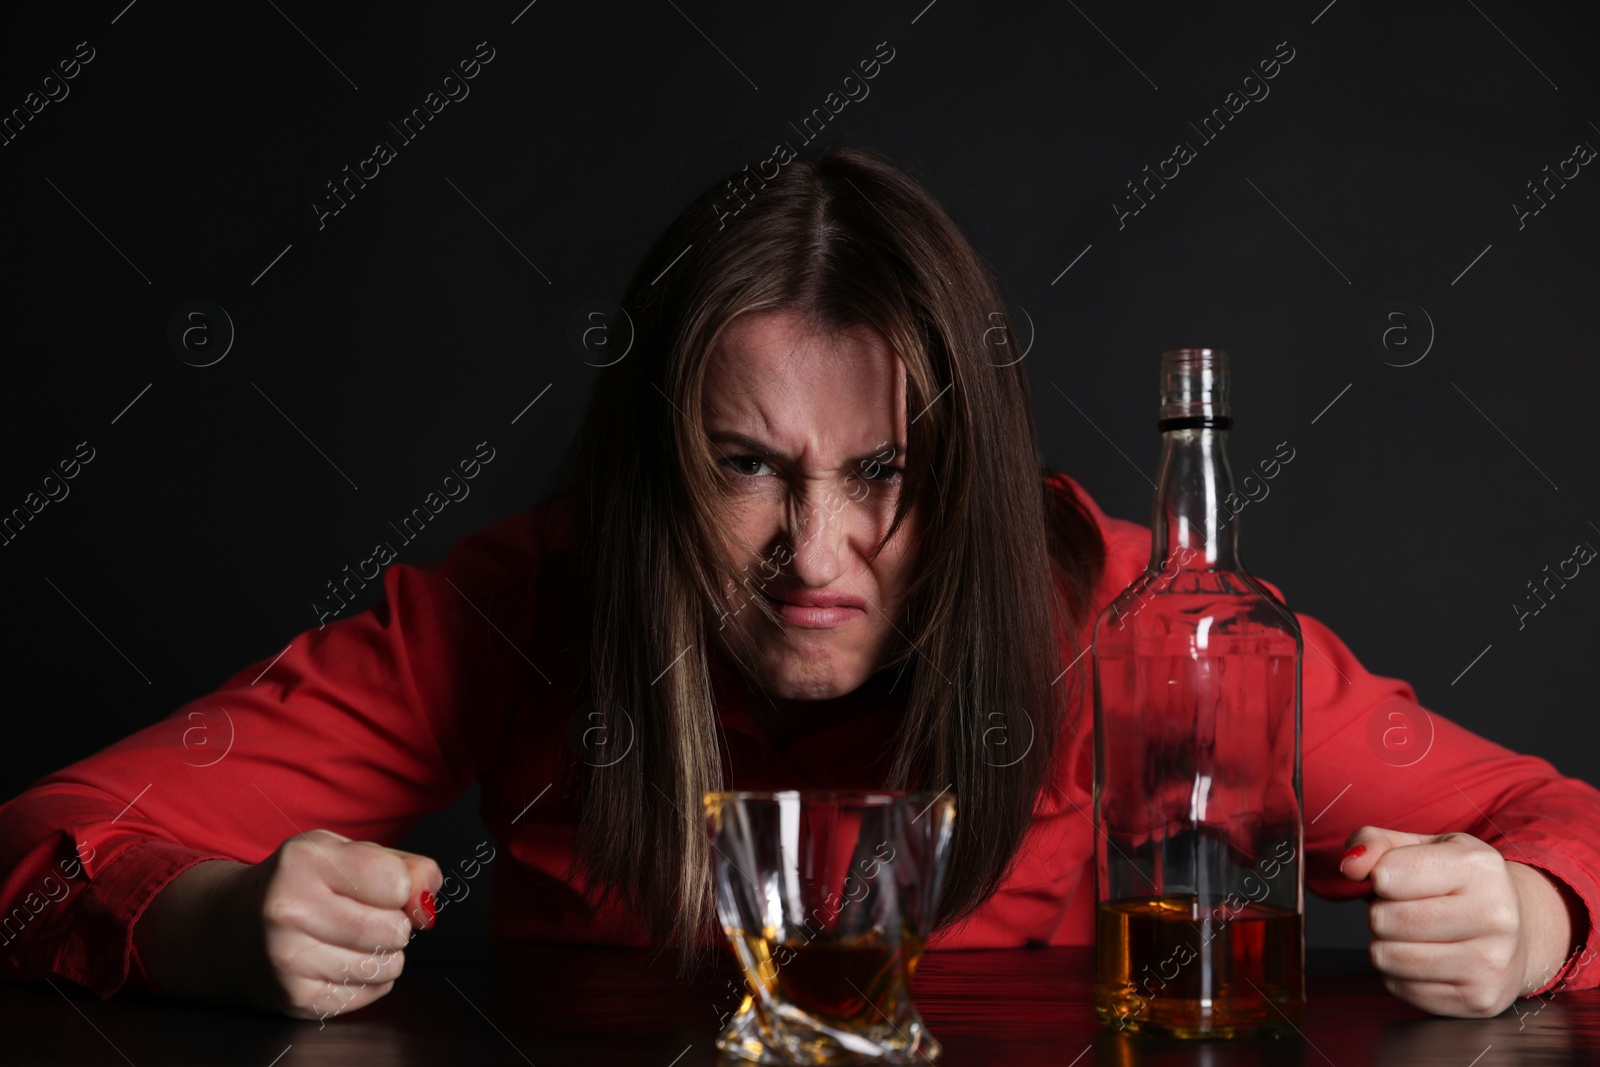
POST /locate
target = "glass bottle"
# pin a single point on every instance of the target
(1199, 928)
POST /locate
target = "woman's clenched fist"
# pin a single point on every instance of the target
(317, 928)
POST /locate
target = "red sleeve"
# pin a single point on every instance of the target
(1372, 755)
(355, 727)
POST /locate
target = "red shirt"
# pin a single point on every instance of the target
(466, 671)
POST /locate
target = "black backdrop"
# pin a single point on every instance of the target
(1442, 459)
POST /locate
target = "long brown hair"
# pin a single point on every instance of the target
(843, 238)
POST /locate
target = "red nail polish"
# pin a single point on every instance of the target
(429, 909)
(1351, 854)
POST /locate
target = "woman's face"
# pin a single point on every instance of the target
(808, 432)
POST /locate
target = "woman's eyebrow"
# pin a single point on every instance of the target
(765, 451)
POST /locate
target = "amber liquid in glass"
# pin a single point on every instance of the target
(1166, 965)
(850, 983)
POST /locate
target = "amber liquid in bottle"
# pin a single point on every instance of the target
(1162, 966)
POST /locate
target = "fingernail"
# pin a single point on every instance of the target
(1349, 855)
(429, 908)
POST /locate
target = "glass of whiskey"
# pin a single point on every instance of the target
(827, 898)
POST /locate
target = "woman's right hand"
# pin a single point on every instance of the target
(316, 929)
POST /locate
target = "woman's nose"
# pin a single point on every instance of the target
(818, 533)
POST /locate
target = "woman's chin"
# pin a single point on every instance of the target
(812, 670)
(812, 680)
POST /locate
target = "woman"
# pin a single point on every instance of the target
(802, 540)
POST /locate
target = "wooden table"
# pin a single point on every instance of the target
(548, 1005)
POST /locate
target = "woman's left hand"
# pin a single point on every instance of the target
(1457, 929)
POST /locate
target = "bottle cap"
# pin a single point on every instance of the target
(1194, 390)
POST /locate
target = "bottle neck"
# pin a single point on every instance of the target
(1195, 501)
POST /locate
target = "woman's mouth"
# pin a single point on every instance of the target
(812, 610)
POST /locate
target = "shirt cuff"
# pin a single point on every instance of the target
(98, 952)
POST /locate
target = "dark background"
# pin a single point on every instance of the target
(423, 318)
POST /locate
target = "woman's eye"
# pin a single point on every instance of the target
(749, 466)
(887, 474)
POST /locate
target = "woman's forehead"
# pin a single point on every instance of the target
(776, 377)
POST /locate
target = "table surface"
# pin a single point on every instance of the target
(546, 1004)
